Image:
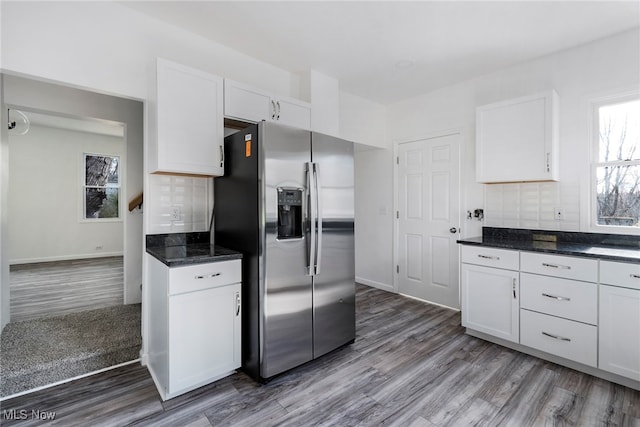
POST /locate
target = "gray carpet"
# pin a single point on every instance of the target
(38, 352)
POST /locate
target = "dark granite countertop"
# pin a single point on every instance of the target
(180, 249)
(592, 245)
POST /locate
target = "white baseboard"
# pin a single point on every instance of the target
(374, 284)
(64, 258)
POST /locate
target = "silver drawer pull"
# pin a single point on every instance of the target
(635, 276)
(555, 337)
(565, 267)
(206, 276)
(488, 257)
(556, 297)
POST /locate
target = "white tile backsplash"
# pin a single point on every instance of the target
(193, 195)
(532, 205)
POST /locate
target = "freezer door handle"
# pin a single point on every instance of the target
(318, 184)
(311, 242)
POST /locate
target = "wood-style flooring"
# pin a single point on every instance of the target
(411, 365)
(48, 289)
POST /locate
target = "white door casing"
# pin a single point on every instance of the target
(427, 206)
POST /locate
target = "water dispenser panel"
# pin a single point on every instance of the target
(289, 213)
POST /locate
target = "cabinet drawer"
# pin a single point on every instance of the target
(620, 274)
(203, 276)
(560, 266)
(491, 257)
(560, 297)
(565, 338)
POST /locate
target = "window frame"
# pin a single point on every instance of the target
(595, 163)
(84, 187)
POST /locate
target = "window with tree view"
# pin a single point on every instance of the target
(101, 186)
(617, 170)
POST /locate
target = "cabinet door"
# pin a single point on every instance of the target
(619, 331)
(293, 113)
(490, 301)
(245, 103)
(516, 140)
(249, 104)
(190, 121)
(204, 336)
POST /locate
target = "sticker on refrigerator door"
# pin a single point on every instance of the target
(247, 145)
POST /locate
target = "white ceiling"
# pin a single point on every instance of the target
(361, 42)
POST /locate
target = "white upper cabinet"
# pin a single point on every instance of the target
(246, 103)
(190, 122)
(517, 139)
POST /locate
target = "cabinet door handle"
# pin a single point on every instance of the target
(548, 162)
(513, 288)
(278, 113)
(273, 110)
(555, 337)
(564, 267)
(556, 297)
(237, 304)
(488, 257)
(635, 276)
(221, 156)
(206, 276)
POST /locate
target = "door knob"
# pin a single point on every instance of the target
(453, 230)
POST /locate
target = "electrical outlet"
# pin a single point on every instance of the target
(175, 213)
(557, 214)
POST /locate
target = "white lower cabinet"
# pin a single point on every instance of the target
(195, 324)
(579, 309)
(490, 296)
(619, 327)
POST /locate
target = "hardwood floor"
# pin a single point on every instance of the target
(49, 289)
(411, 365)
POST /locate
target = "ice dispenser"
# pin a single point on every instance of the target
(289, 213)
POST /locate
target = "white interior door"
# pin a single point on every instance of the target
(427, 219)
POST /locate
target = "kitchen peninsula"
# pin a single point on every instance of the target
(567, 297)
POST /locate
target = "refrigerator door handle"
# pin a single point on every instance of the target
(311, 242)
(318, 185)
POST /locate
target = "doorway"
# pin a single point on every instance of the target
(75, 243)
(427, 218)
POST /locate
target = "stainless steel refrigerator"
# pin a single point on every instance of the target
(287, 203)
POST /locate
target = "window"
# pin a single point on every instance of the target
(101, 187)
(616, 170)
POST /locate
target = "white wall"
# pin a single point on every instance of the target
(45, 196)
(4, 213)
(363, 121)
(577, 74)
(374, 217)
(108, 47)
(75, 43)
